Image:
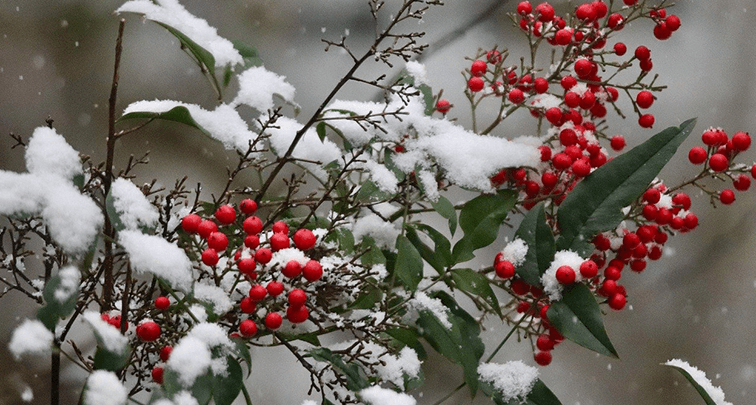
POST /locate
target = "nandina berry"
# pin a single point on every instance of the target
(616, 22)
(563, 36)
(652, 195)
(504, 269)
(292, 269)
(312, 270)
(588, 100)
(642, 53)
(554, 115)
(157, 374)
(742, 183)
(581, 168)
(545, 153)
(697, 155)
(544, 312)
(225, 214)
(248, 328)
(523, 307)
(246, 265)
(499, 178)
(545, 12)
(753, 171)
(263, 255)
(617, 301)
(586, 12)
(524, 8)
(630, 240)
(588, 269)
(210, 257)
(644, 99)
(568, 82)
(620, 48)
(568, 137)
(617, 142)
(637, 265)
(248, 206)
(664, 216)
(691, 221)
(162, 303)
(280, 227)
(217, 241)
(252, 225)
(115, 321)
(583, 68)
(148, 331)
(304, 239)
(677, 223)
(493, 56)
(718, 162)
(565, 275)
(297, 297)
(274, 288)
(673, 23)
(571, 99)
(682, 199)
(257, 293)
(544, 343)
(165, 353)
(727, 196)
(630, 2)
(252, 241)
(741, 141)
(519, 287)
(475, 84)
(661, 238)
(205, 228)
(247, 305)
(478, 68)
(608, 288)
(540, 85)
(655, 253)
(661, 32)
(273, 320)
(601, 8)
(190, 223)
(297, 314)
(561, 161)
(549, 180)
(443, 106)
(516, 96)
(598, 110)
(543, 358)
(646, 65)
(646, 121)
(612, 273)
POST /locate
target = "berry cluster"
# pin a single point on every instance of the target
(717, 158)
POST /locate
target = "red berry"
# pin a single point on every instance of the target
(543, 358)
(618, 142)
(252, 241)
(544, 343)
(274, 288)
(629, 2)
(516, 96)
(691, 220)
(297, 297)
(190, 223)
(741, 141)
(157, 375)
(165, 353)
(565, 275)
(280, 227)
(617, 301)
(661, 32)
(586, 12)
(217, 241)
(545, 153)
(545, 12)
(642, 53)
(673, 23)
(581, 168)
(620, 48)
(646, 121)
(247, 266)
(583, 68)
(475, 84)
(247, 305)
(697, 155)
(248, 328)
(524, 8)
(273, 320)
(644, 99)
(493, 56)
(519, 287)
(225, 214)
(279, 241)
(292, 269)
(682, 199)
(478, 68)
(162, 303)
(554, 115)
(541, 85)
(655, 253)
(742, 183)
(443, 106)
(148, 331)
(727, 196)
(210, 257)
(612, 273)
(601, 8)
(248, 206)
(205, 228)
(568, 82)
(630, 240)
(753, 171)
(616, 22)
(304, 239)
(297, 314)
(561, 161)
(588, 269)
(718, 162)
(504, 269)
(312, 271)
(257, 293)
(523, 307)
(588, 100)
(252, 225)
(637, 265)
(652, 195)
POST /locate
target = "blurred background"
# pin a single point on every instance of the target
(698, 303)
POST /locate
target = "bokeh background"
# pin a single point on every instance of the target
(698, 303)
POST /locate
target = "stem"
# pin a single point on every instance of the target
(55, 376)
(449, 395)
(511, 331)
(247, 398)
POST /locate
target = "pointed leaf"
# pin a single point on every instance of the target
(409, 263)
(249, 53)
(243, 351)
(178, 114)
(439, 257)
(55, 310)
(536, 233)
(226, 389)
(407, 337)
(539, 395)
(701, 390)
(578, 318)
(202, 56)
(107, 360)
(446, 209)
(353, 372)
(476, 284)
(480, 219)
(595, 205)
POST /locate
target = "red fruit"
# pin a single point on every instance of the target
(742, 183)
(205, 228)
(493, 56)
(478, 68)
(543, 358)
(646, 65)
(616, 22)
(661, 32)
(655, 253)
(741, 141)
(257, 293)
(586, 12)
(312, 271)
(516, 96)
(273, 320)
(248, 328)
(673, 23)
(620, 48)
(304, 239)
(691, 220)
(753, 171)
(617, 301)
(157, 375)
(637, 265)
(581, 168)
(541, 85)
(190, 223)
(292, 269)
(225, 214)
(682, 199)
(523, 307)
(561, 161)
(565, 275)
(727, 196)
(644, 99)
(443, 106)
(524, 8)
(587, 100)
(618, 142)
(217, 241)
(642, 53)
(652, 195)
(545, 12)
(629, 2)
(661, 238)
(554, 115)
(279, 241)
(646, 121)
(252, 225)
(210, 257)
(248, 206)
(148, 331)
(545, 153)
(583, 68)
(297, 314)
(165, 353)
(247, 265)
(664, 216)
(571, 99)
(247, 305)
(601, 8)
(280, 227)
(549, 180)
(697, 155)
(297, 297)
(588, 269)
(718, 162)
(475, 84)
(568, 82)
(252, 241)
(504, 269)
(544, 312)
(520, 287)
(544, 343)
(630, 240)
(274, 288)
(162, 303)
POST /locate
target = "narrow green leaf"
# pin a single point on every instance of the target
(204, 59)
(178, 114)
(226, 389)
(407, 337)
(595, 205)
(352, 371)
(171, 383)
(539, 395)
(438, 257)
(578, 318)
(536, 233)
(249, 53)
(310, 338)
(202, 389)
(321, 130)
(367, 299)
(701, 390)
(115, 219)
(446, 209)
(477, 284)
(373, 254)
(107, 360)
(243, 351)
(409, 263)
(480, 219)
(369, 192)
(55, 310)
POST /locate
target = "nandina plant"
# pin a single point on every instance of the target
(176, 285)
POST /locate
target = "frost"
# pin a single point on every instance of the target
(104, 388)
(376, 395)
(417, 71)
(515, 252)
(257, 86)
(309, 148)
(382, 177)
(190, 358)
(433, 305)
(30, 337)
(513, 379)
(173, 14)
(214, 295)
(69, 284)
(561, 258)
(110, 336)
(132, 206)
(155, 255)
(384, 233)
(716, 393)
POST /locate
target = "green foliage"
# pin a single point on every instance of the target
(536, 233)
(409, 263)
(480, 219)
(53, 309)
(446, 209)
(226, 389)
(178, 114)
(439, 257)
(204, 59)
(540, 394)
(701, 391)
(476, 284)
(353, 372)
(107, 360)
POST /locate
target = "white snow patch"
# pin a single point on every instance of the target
(382, 177)
(104, 388)
(428, 180)
(30, 337)
(69, 284)
(376, 395)
(515, 252)
(433, 305)
(213, 295)
(384, 233)
(111, 337)
(190, 358)
(155, 255)
(211, 334)
(309, 148)
(257, 86)
(513, 379)
(417, 71)
(716, 393)
(283, 256)
(27, 395)
(133, 208)
(49, 154)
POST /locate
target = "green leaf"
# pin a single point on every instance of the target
(480, 219)
(369, 296)
(701, 390)
(204, 59)
(321, 130)
(369, 192)
(115, 219)
(438, 257)
(476, 284)
(578, 318)
(107, 360)
(352, 371)
(202, 389)
(55, 310)
(461, 343)
(446, 209)
(407, 337)
(243, 351)
(373, 254)
(249, 53)
(178, 114)
(595, 205)
(409, 263)
(424, 89)
(536, 233)
(78, 181)
(540, 394)
(311, 338)
(346, 240)
(171, 383)
(226, 389)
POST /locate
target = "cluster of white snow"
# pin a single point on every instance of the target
(133, 208)
(561, 258)
(422, 302)
(30, 337)
(515, 252)
(111, 337)
(155, 255)
(513, 379)
(716, 393)
(104, 387)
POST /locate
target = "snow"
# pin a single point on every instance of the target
(417, 71)
(190, 358)
(49, 154)
(384, 233)
(310, 147)
(27, 395)
(22, 193)
(428, 180)
(376, 395)
(546, 101)
(155, 255)
(173, 14)
(433, 305)
(104, 388)
(283, 256)
(257, 86)
(213, 295)
(561, 258)
(110, 336)
(224, 123)
(716, 393)
(395, 367)
(358, 133)
(513, 379)
(69, 284)
(185, 398)
(211, 334)
(515, 252)
(382, 177)
(73, 219)
(132, 206)
(30, 337)
(309, 402)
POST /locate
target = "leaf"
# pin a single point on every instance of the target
(536, 233)
(461, 343)
(407, 337)
(596, 202)
(202, 389)
(369, 192)
(701, 390)
(178, 114)
(352, 371)
(540, 394)
(53, 309)
(107, 360)
(424, 89)
(171, 384)
(243, 351)
(226, 389)
(249, 53)
(369, 296)
(480, 219)
(476, 284)
(115, 219)
(438, 257)
(321, 130)
(578, 318)
(446, 209)
(202, 56)
(409, 264)
(311, 338)
(373, 254)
